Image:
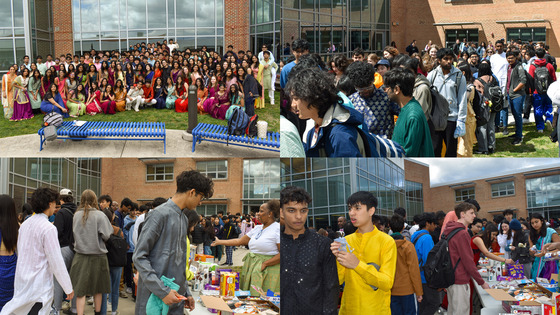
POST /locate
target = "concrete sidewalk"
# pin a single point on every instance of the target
(28, 146)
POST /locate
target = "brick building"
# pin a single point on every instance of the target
(240, 185)
(525, 191)
(444, 21)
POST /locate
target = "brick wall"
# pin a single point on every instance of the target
(236, 24)
(127, 178)
(416, 19)
(62, 27)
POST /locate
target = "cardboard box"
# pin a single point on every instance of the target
(510, 304)
(220, 304)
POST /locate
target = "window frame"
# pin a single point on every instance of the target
(459, 198)
(215, 172)
(497, 193)
(164, 174)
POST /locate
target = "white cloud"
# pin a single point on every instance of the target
(450, 170)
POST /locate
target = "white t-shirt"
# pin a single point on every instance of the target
(265, 241)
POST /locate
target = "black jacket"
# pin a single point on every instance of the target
(198, 234)
(63, 222)
(229, 232)
(309, 276)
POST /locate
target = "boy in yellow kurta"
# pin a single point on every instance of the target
(367, 267)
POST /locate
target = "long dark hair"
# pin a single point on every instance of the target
(8, 222)
(518, 237)
(487, 236)
(509, 230)
(209, 228)
(534, 234)
(193, 218)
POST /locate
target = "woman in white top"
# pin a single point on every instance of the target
(504, 239)
(261, 266)
(38, 259)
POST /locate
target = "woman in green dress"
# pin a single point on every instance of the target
(171, 97)
(33, 89)
(76, 101)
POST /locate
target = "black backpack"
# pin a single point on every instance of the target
(251, 130)
(542, 79)
(438, 269)
(481, 110)
(116, 251)
(440, 105)
(522, 255)
(493, 93)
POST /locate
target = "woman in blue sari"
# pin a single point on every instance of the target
(539, 236)
(53, 102)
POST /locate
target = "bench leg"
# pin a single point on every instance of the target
(40, 143)
(194, 143)
(164, 143)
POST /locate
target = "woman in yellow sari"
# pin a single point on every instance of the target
(8, 92)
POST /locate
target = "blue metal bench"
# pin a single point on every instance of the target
(103, 130)
(217, 133)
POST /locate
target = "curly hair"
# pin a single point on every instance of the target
(314, 87)
(361, 74)
(341, 62)
(300, 44)
(294, 193)
(273, 206)
(192, 179)
(41, 199)
(392, 50)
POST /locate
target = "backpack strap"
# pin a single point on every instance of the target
(448, 237)
(416, 240)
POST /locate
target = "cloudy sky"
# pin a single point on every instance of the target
(450, 170)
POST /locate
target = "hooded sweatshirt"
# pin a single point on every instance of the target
(453, 87)
(459, 247)
(63, 221)
(422, 94)
(542, 63)
(423, 245)
(408, 281)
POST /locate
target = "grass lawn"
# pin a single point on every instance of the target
(172, 120)
(534, 144)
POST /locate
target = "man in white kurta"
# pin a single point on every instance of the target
(39, 257)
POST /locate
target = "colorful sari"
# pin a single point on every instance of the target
(217, 106)
(22, 106)
(76, 106)
(120, 100)
(47, 106)
(201, 97)
(33, 90)
(171, 98)
(7, 89)
(94, 107)
(182, 105)
(159, 96)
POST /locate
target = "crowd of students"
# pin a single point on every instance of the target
(362, 258)
(76, 244)
(375, 95)
(148, 75)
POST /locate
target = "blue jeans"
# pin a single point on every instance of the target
(516, 106)
(115, 273)
(543, 107)
(207, 250)
(405, 305)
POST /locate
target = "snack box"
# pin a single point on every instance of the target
(511, 304)
(226, 306)
(204, 258)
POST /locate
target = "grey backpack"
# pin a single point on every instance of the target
(51, 122)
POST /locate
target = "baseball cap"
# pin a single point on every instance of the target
(383, 62)
(65, 192)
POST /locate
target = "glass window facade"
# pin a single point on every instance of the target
(503, 189)
(108, 25)
(25, 175)
(261, 182)
(452, 35)
(213, 169)
(208, 210)
(543, 195)
(12, 31)
(346, 24)
(159, 172)
(464, 194)
(331, 181)
(414, 199)
(537, 34)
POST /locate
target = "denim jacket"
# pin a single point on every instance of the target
(454, 88)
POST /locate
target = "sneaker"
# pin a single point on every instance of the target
(129, 290)
(65, 306)
(481, 152)
(69, 312)
(90, 300)
(123, 295)
(505, 132)
(526, 121)
(548, 125)
(517, 141)
(540, 131)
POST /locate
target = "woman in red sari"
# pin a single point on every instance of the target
(218, 105)
(46, 82)
(94, 100)
(182, 90)
(108, 104)
(201, 94)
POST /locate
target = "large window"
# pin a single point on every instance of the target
(213, 169)
(261, 182)
(543, 192)
(536, 34)
(414, 199)
(452, 35)
(159, 172)
(503, 189)
(107, 24)
(208, 210)
(464, 194)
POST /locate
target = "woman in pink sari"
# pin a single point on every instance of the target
(94, 100)
(22, 106)
(108, 104)
(218, 105)
(60, 82)
(46, 82)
